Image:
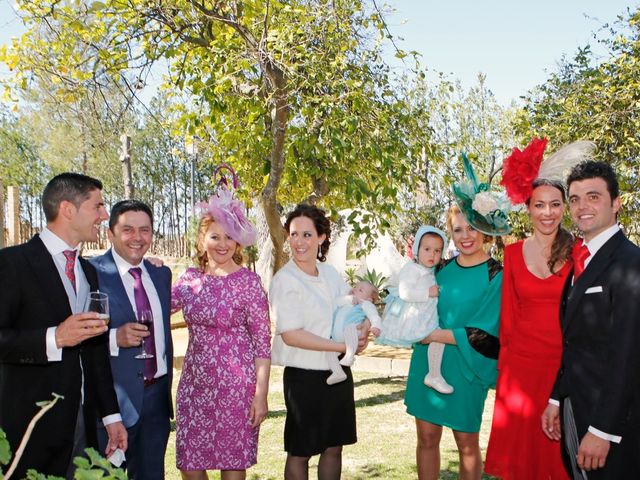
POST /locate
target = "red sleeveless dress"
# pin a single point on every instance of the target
(530, 353)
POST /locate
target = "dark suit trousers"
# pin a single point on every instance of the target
(148, 438)
(54, 460)
(79, 443)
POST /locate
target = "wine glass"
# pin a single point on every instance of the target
(145, 317)
(98, 302)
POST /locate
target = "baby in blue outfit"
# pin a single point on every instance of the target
(351, 312)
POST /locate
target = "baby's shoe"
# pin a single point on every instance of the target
(336, 377)
(438, 384)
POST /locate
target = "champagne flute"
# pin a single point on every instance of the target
(98, 302)
(145, 317)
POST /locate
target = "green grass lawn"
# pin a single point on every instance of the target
(386, 435)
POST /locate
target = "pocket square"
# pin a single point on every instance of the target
(597, 289)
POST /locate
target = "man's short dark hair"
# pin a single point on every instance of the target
(128, 206)
(593, 169)
(70, 187)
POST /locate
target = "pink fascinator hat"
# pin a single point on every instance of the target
(228, 211)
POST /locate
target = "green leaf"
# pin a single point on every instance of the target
(96, 7)
(5, 450)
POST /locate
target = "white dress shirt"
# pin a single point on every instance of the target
(594, 245)
(156, 308)
(599, 240)
(77, 298)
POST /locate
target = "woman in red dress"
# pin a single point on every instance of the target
(535, 271)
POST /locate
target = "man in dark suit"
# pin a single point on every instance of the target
(46, 343)
(597, 389)
(143, 386)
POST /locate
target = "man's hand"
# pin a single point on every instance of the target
(593, 451)
(117, 438)
(79, 327)
(131, 334)
(155, 261)
(551, 422)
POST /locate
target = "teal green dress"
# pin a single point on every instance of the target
(469, 305)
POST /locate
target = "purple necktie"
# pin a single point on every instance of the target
(142, 303)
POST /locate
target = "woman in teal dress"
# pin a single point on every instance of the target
(469, 307)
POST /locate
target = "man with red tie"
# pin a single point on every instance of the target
(596, 396)
(47, 344)
(143, 385)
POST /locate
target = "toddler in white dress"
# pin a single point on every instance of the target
(411, 311)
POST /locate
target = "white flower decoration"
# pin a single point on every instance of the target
(484, 203)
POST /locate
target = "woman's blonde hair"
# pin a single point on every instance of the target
(201, 258)
(452, 212)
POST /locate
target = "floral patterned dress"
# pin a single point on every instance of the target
(228, 321)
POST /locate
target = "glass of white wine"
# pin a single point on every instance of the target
(98, 302)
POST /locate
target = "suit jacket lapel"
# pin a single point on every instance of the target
(113, 283)
(566, 291)
(597, 265)
(47, 278)
(165, 302)
(89, 273)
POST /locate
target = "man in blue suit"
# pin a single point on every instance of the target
(143, 386)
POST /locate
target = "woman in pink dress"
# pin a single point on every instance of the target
(535, 271)
(222, 394)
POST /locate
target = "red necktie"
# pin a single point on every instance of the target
(69, 268)
(580, 254)
(142, 303)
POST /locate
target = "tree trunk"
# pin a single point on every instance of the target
(269, 194)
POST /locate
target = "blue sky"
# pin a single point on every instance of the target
(514, 42)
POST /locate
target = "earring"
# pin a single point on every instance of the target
(319, 251)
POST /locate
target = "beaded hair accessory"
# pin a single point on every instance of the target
(486, 210)
(523, 167)
(225, 209)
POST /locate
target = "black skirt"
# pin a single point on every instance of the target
(319, 416)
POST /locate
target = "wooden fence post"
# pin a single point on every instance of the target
(125, 158)
(13, 207)
(2, 245)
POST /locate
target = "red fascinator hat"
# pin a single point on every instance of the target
(523, 167)
(520, 169)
